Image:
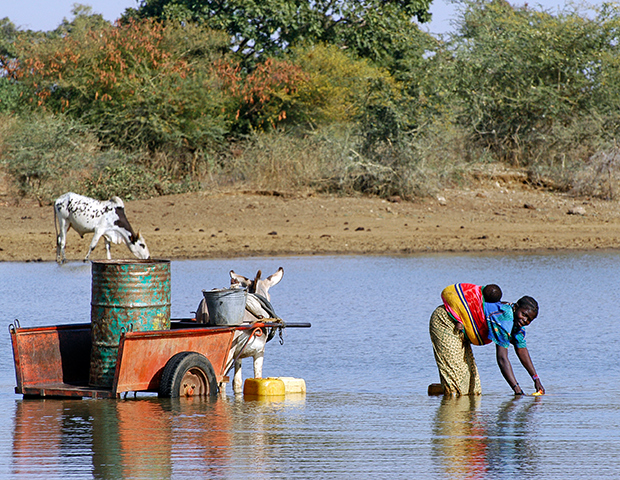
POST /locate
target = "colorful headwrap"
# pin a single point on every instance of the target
(464, 302)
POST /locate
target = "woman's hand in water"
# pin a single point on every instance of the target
(539, 386)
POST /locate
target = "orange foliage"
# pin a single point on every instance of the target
(264, 94)
(101, 64)
(127, 66)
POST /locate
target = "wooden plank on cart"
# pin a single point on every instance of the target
(65, 390)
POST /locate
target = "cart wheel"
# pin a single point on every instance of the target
(188, 374)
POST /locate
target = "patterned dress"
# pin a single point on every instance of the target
(458, 372)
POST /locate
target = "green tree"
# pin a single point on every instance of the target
(520, 74)
(375, 29)
(83, 19)
(336, 85)
(141, 84)
(8, 34)
(11, 92)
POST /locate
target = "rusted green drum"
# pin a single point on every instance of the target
(126, 296)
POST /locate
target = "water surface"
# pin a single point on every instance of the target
(367, 362)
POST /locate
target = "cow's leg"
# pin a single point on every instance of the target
(61, 241)
(238, 378)
(107, 247)
(96, 236)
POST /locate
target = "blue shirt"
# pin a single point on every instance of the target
(502, 328)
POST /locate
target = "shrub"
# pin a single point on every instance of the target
(48, 155)
(133, 181)
(330, 160)
(600, 176)
(141, 84)
(520, 73)
(283, 161)
(11, 94)
(336, 87)
(263, 97)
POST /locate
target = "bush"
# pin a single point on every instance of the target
(519, 74)
(131, 181)
(11, 94)
(142, 85)
(336, 87)
(261, 98)
(279, 160)
(330, 160)
(600, 176)
(48, 155)
(144, 108)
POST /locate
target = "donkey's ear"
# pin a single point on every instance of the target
(257, 277)
(275, 278)
(240, 279)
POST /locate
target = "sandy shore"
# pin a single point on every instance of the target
(494, 217)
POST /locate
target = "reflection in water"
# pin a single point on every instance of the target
(459, 437)
(472, 445)
(228, 436)
(200, 436)
(130, 439)
(37, 439)
(122, 439)
(144, 438)
(368, 414)
(257, 429)
(510, 445)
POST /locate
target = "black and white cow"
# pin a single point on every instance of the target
(104, 219)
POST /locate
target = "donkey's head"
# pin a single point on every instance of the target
(257, 285)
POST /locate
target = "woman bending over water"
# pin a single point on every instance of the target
(465, 318)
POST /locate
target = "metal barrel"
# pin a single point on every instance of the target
(126, 296)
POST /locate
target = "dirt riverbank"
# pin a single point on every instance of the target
(494, 216)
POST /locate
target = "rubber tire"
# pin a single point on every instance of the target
(178, 366)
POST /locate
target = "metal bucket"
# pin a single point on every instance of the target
(126, 296)
(226, 306)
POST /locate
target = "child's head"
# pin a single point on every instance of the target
(492, 293)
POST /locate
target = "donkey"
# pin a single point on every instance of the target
(249, 343)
